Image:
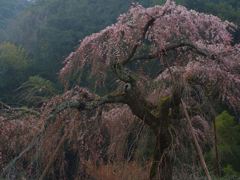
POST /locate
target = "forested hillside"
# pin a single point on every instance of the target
(228, 10)
(49, 30)
(8, 11)
(112, 89)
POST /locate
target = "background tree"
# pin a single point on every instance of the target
(228, 143)
(9, 9)
(14, 62)
(49, 30)
(35, 91)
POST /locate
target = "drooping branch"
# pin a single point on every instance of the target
(133, 98)
(25, 151)
(53, 157)
(195, 142)
(72, 104)
(145, 30)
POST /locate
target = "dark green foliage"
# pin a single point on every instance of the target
(14, 63)
(228, 132)
(226, 9)
(9, 9)
(35, 91)
(51, 29)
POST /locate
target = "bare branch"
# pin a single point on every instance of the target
(4, 106)
(11, 111)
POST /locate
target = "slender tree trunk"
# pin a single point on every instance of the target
(195, 143)
(162, 163)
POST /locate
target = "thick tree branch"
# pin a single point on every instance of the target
(8, 110)
(192, 46)
(145, 30)
(123, 73)
(22, 110)
(90, 105)
(197, 50)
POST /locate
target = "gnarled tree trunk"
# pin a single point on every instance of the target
(162, 166)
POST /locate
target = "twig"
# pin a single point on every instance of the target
(3, 105)
(216, 148)
(12, 163)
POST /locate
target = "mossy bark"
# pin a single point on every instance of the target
(162, 162)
